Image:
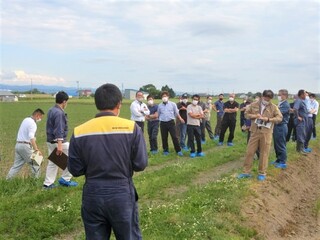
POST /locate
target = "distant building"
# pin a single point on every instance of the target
(131, 94)
(84, 93)
(7, 96)
(203, 95)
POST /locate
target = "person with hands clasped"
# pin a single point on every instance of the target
(182, 107)
(139, 110)
(195, 113)
(153, 124)
(229, 120)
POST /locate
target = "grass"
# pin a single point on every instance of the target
(171, 205)
(317, 208)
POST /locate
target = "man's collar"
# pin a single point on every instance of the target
(102, 114)
(59, 106)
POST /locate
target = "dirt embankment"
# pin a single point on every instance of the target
(283, 207)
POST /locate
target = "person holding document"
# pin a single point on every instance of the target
(107, 150)
(26, 145)
(263, 114)
(57, 131)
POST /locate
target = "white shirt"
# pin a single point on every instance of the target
(315, 105)
(138, 111)
(262, 108)
(27, 130)
(195, 109)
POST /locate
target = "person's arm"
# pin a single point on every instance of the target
(181, 107)
(284, 108)
(135, 110)
(250, 114)
(145, 110)
(277, 117)
(242, 107)
(31, 134)
(296, 110)
(139, 155)
(34, 145)
(214, 107)
(176, 112)
(75, 165)
(235, 109)
(59, 131)
(153, 116)
(201, 113)
(195, 115)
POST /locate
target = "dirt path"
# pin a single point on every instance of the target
(284, 206)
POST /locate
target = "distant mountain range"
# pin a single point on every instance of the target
(71, 91)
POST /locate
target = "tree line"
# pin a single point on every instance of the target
(152, 90)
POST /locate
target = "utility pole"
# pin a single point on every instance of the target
(78, 89)
(122, 89)
(31, 88)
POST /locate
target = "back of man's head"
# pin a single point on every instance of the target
(38, 111)
(61, 97)
(107, 97)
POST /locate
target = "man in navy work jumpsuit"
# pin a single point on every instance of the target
(108, 150)
(301, 115)
(280, 131)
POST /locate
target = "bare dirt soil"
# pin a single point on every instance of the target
(284, 206)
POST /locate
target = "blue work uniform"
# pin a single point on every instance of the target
(107, 150)
(57, 125)
(280, 132)
(300, 109)
(153, 129)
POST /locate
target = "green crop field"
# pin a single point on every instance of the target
(180, 197)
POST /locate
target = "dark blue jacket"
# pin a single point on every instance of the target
(107, 148)
(57, 124)
(284, 108)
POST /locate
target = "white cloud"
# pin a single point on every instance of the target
(216, 42)
(20, 77)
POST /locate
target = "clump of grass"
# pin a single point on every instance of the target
(208, 212)
(317, 208)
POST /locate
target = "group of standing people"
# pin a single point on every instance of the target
(264, 120)
(108, 149)
(188, 116)
(56, 131)
(269, 121)
(185, 120)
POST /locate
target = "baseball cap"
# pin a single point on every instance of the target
(185, 95)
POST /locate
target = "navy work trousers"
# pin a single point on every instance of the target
(110, 207)
(280, 132)
(153, 130)
(301, 133)
(194, 132)
(309, 128)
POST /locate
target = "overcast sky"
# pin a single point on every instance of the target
(192, 46)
